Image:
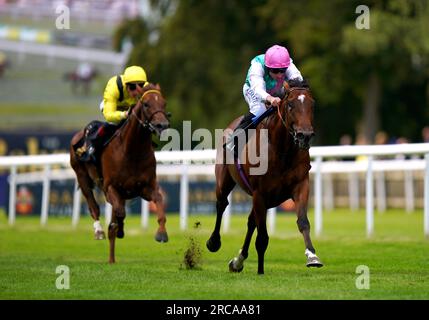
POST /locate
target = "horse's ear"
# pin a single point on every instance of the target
(158, 87)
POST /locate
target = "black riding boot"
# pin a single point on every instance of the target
(87, 151)
(244, 125)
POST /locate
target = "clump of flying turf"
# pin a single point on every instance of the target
(193, 254)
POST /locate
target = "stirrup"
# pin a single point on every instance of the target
(229, 146)
(86, 153)
(91, 150)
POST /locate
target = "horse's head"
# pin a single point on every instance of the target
(298, 105)
(150, 111)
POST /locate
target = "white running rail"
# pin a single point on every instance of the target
(201, 162)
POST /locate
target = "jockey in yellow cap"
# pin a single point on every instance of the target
(121, 93)
(114, 106)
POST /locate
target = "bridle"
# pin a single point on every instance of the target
(287, 103)
(147, 123)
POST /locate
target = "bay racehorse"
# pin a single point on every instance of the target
(81, 80)
(290, 130)
(126, 167)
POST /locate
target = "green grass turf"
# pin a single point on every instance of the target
(397, 257)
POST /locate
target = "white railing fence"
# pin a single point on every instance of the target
(191, 163)
(51, 52)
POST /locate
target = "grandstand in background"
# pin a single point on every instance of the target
(92, 22)
(103, 10)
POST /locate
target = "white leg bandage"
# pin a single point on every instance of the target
(309, 254)
(97, 226)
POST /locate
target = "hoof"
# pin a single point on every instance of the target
(99, 235)
(113, 229)
(161, 237)
(314, 262)
(232, 269)
(120, 234)
(213, 244)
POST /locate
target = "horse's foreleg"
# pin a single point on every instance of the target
(116, 226)
(236, 264)
(224, 185)
(214, 243)
(301, 202)
(161, 234)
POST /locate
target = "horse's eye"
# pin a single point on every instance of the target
(145, 105)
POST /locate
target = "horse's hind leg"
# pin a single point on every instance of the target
(257, 219)
(86, 184)
(118, 216)
(301, 203)
(224, 185)
(236, 264)
(262, 238)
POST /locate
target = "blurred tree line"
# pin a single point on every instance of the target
(363, 80)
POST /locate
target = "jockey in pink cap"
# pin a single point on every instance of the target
(265, 78)
(264, 83)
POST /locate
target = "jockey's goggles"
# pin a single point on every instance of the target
(278, 70)
(133, 86)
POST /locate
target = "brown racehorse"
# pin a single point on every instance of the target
(83, 81)
(290, 130)
(127, 167)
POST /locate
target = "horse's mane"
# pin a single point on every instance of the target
(297, 83)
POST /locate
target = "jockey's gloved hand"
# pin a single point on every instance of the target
(274, 101)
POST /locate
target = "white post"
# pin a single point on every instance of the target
(145, 214)
(272, 220)
(76, 205)
(354, 191)
(409, 191)
(318, 197)
(45, 195)
(107, 213)
(381, 191)
(426, 198)
(328, 195)
(369, 199)
(12, 195)
(227, 215)
(184, 197)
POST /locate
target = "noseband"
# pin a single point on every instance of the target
(147, 123)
